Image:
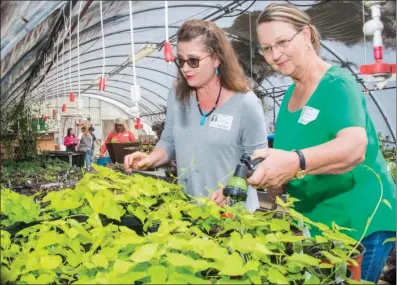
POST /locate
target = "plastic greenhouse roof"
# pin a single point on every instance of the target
(33, 31)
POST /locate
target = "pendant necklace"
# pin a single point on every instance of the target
(205, 115)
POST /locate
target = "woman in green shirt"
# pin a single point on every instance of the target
(324, 118)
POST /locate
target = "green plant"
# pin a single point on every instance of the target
(184, 239)
(389, 154)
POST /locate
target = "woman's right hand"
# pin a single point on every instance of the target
(137, 160)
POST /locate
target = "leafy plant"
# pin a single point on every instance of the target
(183, 239)
(389, 153)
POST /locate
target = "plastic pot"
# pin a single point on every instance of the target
(356, 270)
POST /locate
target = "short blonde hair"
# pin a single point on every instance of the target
(289, 13)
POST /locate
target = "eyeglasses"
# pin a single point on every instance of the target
(283, 44)
(192, 62)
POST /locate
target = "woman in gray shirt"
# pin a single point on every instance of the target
(213, 117)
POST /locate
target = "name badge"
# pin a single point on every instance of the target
(220, 121)
(308, 115)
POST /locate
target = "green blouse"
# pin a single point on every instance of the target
(349, 199)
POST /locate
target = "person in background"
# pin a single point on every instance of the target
(211, 83)
(70, 140)
(85, 143)
(325, 140)
(120, 134)
(92, 130)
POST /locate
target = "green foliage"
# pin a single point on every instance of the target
(389, 153)
(192, 243)
(38, 171)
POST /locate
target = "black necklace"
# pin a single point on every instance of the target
(203, 115)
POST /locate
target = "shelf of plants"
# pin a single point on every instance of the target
(113, 228)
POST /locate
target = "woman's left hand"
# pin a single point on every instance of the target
(276, 170)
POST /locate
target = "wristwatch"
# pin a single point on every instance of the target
(302, 172)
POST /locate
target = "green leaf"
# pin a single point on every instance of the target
(45, 279)
(50, 262)
(5, 241)
(29, 279)
(279, 225)
(255, 277)
(180, 260)
(226, 280)
(144, 253)
(304, 258)
(47, 238)
(332, 258)
(100, 260)
(73, 259)
(233, 266)
(321, 239)
(276, 277)
(387, 203)
(140, 214)
(389, 240)
(313, 279)
(158, 274)
(121, 266)
(291, 238)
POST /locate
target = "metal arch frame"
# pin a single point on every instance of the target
(120, 88)
(226, 9)
(111, 101)
(99, 96)
(121, 81)
(137, 12)
(354, 73)
(116, 94)
(94, 59)
(87, 52)
(140, 67)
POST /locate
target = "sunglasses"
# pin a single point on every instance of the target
(119, 125)
(193, 62)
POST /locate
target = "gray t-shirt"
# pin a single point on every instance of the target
(85, 142)
(206, 154)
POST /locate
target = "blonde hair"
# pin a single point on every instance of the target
(231, 75)
(289, 13)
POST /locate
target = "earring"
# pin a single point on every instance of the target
(307, 46)
(217, 71)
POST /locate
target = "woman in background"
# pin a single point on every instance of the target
(70, 140)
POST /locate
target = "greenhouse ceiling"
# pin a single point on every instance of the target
(40, 60)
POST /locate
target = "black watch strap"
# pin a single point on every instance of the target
(302, 160)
